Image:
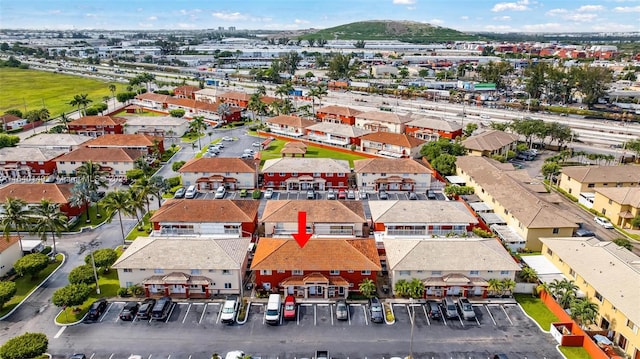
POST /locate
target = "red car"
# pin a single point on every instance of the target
(342, 194)
(290, 307)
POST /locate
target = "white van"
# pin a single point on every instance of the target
(190, 192)
(272, 316)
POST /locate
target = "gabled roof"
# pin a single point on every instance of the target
(629, 196)
(8, 118)
(608, 268)
(514, 195)
(234, 95)
(389, 165)
(292, 121)
(317, 211)
(123, 140)
(7, 242)
(101, 154)
(339, 111)
(155, 97)
(317, 255)
(35, 192)
(98, 121)
(186, 89)
(390, 212)
(206, 210)
(610, 174)
(169, 253)
(29, 154)
(383, 116)
(55, 139)
(422, 121)
(218, 165)
(453, 254)
(398, 139)
(305, 165)
(339, 129)
(491, 140)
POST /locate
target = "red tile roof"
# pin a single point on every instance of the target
(339, 111)
(7, 242)
(98, 121)
(292, 121)
(218, 165)
(101, 154)
(123, 140)
(35, 192)
(398, 139)
(207, 211)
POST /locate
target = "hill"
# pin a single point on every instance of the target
(408, 31)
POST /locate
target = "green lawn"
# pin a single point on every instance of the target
(273, 151)
(92, 215)
(25, 285)
(109, 286)
(55, 90)
(138, 231)
(537, 310)
(575, 353)
(191, 137)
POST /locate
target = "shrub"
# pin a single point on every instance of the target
(173, 181)
(482, 233)
(7, 291)
(256, 194)
(31, 264)
(135, 174)
(91, 111)
(123, 292)
(136, 290)
(46, 250)
(27, 345)
(82, 274)
(177, 165)
(71, 295)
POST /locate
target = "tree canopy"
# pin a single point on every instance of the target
(27, 345)
(31, 264)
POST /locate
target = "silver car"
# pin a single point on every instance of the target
(342, 310)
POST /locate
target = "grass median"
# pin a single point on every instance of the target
(25, 285)
(536, 310)
(109, 286)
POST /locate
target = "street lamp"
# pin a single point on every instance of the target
(93, 263)
(413, 319)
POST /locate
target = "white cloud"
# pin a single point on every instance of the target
(465, 17)
(613, 27)
(580, 17)
(411, 8)
(298, 21)
(521, 5)
(551, 26)
(590, 8)
(229, 16)
(436, 21)
(627, 9)
(499, 28)
(404, 2)
(556, 12)
(90, 15)
(54, 12)
(502, 18)
(145, 25)
(190, 12)
(152, 18)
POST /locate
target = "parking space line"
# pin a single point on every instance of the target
(92, 355)
(186, 314)
(298, 316)
(412, 312)
(491, 315)
(169, 357)
(426, 315)
(349, 315)
(111, 356)
(331, 313)
(59, 333)
(204, 311)
(220, 314)
(364, 310)
(173, 306)
(105, 312)
(460, 319)
(315, 316)
(505, 313)
(148, 357)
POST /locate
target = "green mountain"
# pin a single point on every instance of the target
(408, 31)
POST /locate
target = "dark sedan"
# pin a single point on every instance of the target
(129, 311)
(96, 309)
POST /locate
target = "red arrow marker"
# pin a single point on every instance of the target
(302, 237)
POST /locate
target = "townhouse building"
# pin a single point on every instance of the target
(295, 173)
(211, 173)
(393, 145)
(95, 126)
(402, 174)
(492, 142)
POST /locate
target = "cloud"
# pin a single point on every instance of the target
(298, 21)
(550, 26)
(521, 5)
(465, 17)
(436, 21)
(627, 9)
(54, 12)
(580, 17)
(502, 18)
(404, 2)
(152, 18)
(229, 16)
(556, 12)
(499, 28)
(590, 8)
(90, 15)
(190, 12)
(613, 27)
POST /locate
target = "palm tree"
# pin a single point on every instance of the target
(318, 92)
(529, 275)
(508, 285)
(584, 312)
(81, 196)
(49, 219)
(142, 186)
(566, 298)
(196, 125)
(158, 186)
(416, 288)
(64, 119)
(81, 100)
(255, 104)
(43, 114)
(112, 89)
(137, 203)
(91, 174)
(495, 286)
(284, 90)
(118, 201)
(367, 287)
(15, 215)
(261, 90)
(402, 287)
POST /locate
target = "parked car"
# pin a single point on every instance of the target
(229, 309)
(289, 307)
(235, 354)
(4, 179)
(256, 144)
(466, 309)
(413, 196)
(342, 310)
(382, 194)
(243, 193)
(351, 194)
(227, 138)
(342, 194)
(78, 356)
(603, 222)
(50, 179)
(144, 311)
(220, 192)
(311, 194)
(250, 152)
(246, 156)
(434, 310)
(96, 309)
(191, 192)
(449, 306)
(375, 310)
(180, 193)
(161, 309)
(268, 194)
(331, 194)
(431, 194)
(363, 195)
(129, 311)
(583, 232)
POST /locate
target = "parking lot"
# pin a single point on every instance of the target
(319, 195)
(496, 327)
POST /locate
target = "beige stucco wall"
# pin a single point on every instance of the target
(136, 276)
(395, 275)
(8, 257)
(613, 209)
(391, 127)
(119, 168)
(245, 180)
(423, 180)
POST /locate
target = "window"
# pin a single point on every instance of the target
(128, 284)
(436, 272)
(622, 342)
(365, 272)
(598, 296)
(405, 272)
(297, 272)
(159, 271)
(280, 271)
(195, 271)
(549, 252)
(604, 211)
(226, 272)
(572, 273)
(128, 270)
(610, 201)
(270, 174)
(295, 174)
(474, 272)
(383, 174)
(504, 272)
(556, 230)
(591, 185)
(212, 270)
(227, 286)
(281, 174)
(334, 272)
(350, 271)
(265, 271)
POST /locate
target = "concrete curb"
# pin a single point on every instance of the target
(392, 313)
(64, 260)
(55, 320)
(246, 315)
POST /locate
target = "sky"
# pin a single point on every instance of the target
(463, 15)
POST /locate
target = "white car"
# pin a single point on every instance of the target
(256, 144)
(229, 309)
(227, 138)
(236, 354)
(220, 192)
(268, 193)
(603, 222)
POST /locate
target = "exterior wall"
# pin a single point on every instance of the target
(332, 139)
(8, 257)
(367, 181)
(178, 130)
(118, 168)
(286, 130)
(532, 234)
(273, 229)
(210, 229)
(375, 147)
(71, 211)
(276, 278)
(617, 320)
(445, 134)
(245, 180)
(218, 278)
(395, 276)
(95, 131)
(277, 180)
(378, 125)
(37, 168)
(612, 210)
(328, 117)
(573, 187)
